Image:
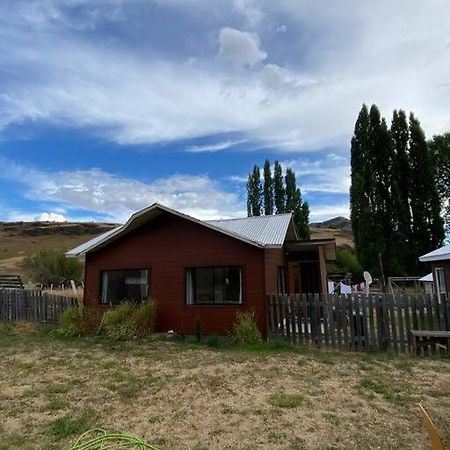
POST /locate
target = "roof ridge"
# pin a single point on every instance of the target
(251, 217)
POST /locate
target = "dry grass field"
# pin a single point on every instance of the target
(182, 396)
(21, 239)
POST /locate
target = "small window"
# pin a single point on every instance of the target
(120, 285)
(281, 280)
(214, 285)
(440, 277)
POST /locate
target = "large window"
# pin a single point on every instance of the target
(120, 285)
(214, 285)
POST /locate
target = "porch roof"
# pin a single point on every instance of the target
(329, 246)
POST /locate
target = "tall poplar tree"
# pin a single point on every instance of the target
(440, 152)
(295, 205)
(361, 190)
(400, 191)
(254, 193)
(268, 189)
(279, 191)
(427, 223)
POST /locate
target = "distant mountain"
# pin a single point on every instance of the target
(339, 228)
(337, 223)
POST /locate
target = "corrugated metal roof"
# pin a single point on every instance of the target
(427, 278)
(91, 243)
(265, 230)
(437, 255)
(259, 231)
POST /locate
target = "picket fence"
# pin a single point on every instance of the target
(373, 322)
(33, 306)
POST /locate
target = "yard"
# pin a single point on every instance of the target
(182, 396)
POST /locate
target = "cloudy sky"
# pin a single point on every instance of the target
(107, 106)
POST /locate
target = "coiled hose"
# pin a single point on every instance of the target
(98, 439)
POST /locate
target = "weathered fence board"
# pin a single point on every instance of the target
(33, 306)
(357, 322)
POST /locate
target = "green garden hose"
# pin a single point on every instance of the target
(98, 439)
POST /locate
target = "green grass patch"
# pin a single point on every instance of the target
(55, 405)
(68, 426)
(285, 400)
(391, 393)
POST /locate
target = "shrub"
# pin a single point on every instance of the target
(52, 267)
(119, 322)
(92, 320)
(71, 321)
(144, 318)
(80, 321)
(245, 330)
(128, 320)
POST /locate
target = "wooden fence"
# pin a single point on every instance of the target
(374, 322)
(32, 306)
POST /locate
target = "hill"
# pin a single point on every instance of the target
(338, 227)
(21, 239)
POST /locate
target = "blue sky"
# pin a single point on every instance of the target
(107, 106)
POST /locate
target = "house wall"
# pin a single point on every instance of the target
(274, 257)
(168, 245)
(446, 265)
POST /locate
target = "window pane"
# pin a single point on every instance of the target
(204, 285)
(219, 285)
(120, 285)
(233, 285)
(281, 280)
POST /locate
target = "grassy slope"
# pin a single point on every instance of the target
(183, 396)
(18, 240)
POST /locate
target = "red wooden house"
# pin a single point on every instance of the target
(201, 270)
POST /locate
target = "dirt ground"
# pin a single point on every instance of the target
(181, 396)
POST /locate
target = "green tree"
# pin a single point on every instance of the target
(254, 193)
(427, 223)
(279, 191)
(361, 196)
(53, 267)
(400, 191)
(268, 189)
(295, 205)
(440, 153)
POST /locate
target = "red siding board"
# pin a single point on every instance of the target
(166, 247)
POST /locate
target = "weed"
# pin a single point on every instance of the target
(245, 330)
(54, 405)
(284, 400)
(68, 426)
(213, 341)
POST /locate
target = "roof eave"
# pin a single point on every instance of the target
(123, 228)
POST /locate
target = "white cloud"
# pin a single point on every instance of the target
(20, 216)
(212, 148)
(325, 212)
(393, 53)
(327, 175)
(51, 217)
(240, 47)
(116, 198)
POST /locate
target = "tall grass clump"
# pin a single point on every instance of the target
(129, 321)
(144, 319)
(79, 321)
(245, 330)
(71, 322)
